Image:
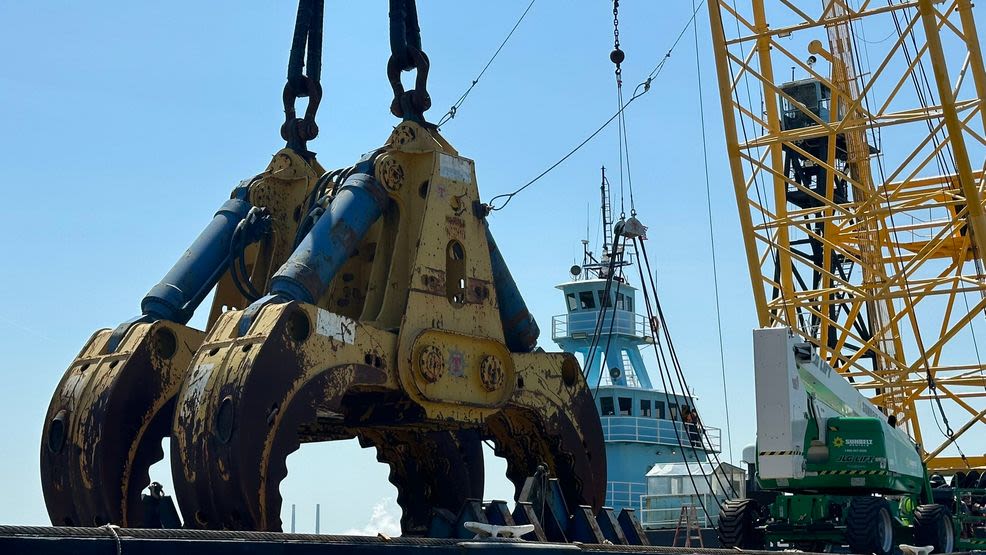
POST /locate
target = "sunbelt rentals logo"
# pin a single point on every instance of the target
(852, 442)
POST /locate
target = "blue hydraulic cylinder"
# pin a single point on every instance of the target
(176, 296)
(354, 208)
(519, 328)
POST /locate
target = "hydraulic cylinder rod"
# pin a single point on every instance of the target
(178, 294)
(519, 328)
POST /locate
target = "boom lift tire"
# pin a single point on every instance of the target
(870, 526)
(738, 524)
(933, 526)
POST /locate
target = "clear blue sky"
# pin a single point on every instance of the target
(123, 125)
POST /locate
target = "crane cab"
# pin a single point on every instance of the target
(813, 94)
(816, 97)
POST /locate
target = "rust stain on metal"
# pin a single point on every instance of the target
(491, 373)
(455, 227)
(432, 364)
(432, 282)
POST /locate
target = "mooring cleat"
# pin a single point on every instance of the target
(498, 531)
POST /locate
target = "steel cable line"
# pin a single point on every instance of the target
(617, 56)
(665, 378)
(450, 115)
(943, 158)
(638, 91)
(712, 239)
(924, 101)
(612, 323)
(597, 329)
(509, 196)
(754, 172)
(672, 353)
(929, 377)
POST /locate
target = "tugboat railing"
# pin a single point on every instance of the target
(625, 494)
(577, 325)
(663, 431)
(663, 511)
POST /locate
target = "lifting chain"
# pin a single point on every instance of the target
(617, 56)
(405, 55)
(306, 54)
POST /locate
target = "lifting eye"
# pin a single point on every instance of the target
(455, 273)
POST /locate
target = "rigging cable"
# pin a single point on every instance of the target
(677, 434)
(665, 379)
(597, 329)
(450, 115)
(657, 314)
(617, 56)
(712, 239)
(612, 323)
(942, 162)
(604, 359)
(929, 377)
(639, 91)
(772, 249)
(655, 320)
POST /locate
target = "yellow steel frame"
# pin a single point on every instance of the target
(913, 234)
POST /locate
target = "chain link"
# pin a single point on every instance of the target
(616, 23)
(617, 56)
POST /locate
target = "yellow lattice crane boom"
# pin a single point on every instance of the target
(859, 182)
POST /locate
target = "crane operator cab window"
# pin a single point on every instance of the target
(808, 92)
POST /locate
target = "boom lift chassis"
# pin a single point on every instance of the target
(829, 469)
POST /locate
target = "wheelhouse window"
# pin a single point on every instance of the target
(605, 301)
(572, 303)
(626, 405)
(606, 406)
(586, 302)
(645, 407)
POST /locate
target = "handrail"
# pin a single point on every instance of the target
(653, 516)
(625, 494)
(627, 323)
(663, 431)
